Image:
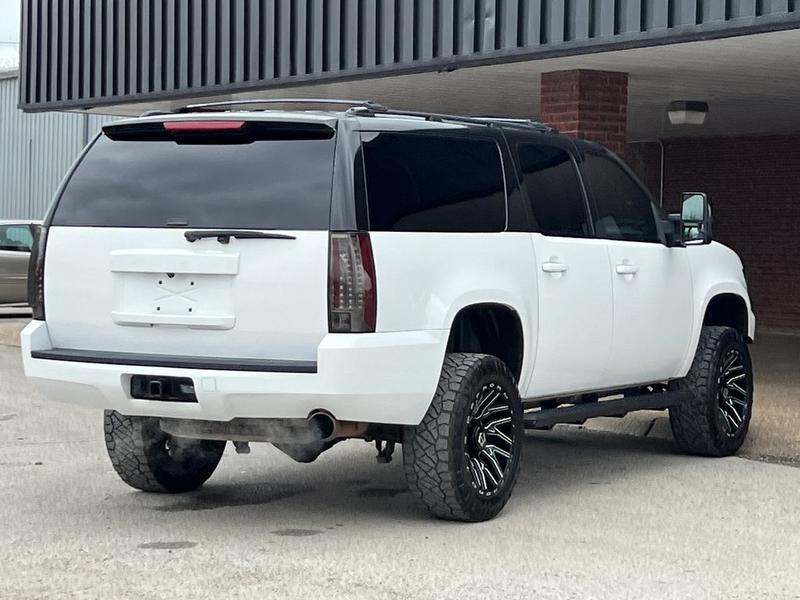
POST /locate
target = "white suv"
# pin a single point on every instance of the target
(439, 282)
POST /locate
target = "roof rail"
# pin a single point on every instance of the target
(528, 123)
(519, 122)
(155, 112)
(368, 104)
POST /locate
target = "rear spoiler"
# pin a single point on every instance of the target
(217, 130)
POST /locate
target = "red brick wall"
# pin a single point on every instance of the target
(754, 186)
(587, 104)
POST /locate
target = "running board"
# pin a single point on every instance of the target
(578, 413)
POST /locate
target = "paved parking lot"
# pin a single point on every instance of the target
(774, 434)
(593, 516)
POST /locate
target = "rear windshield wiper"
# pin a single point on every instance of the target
(224, 236)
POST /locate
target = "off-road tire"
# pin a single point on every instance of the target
(148, 459)
(697, 425)
(435, 451)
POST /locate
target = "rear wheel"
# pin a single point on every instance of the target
(148, 459)
(714, 419)
(462, 460)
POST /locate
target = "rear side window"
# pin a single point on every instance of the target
(264, 184)
(623, 210)
(554, 190)
(434, 182)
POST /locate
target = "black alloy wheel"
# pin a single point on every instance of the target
(489, 439)
(733, 397)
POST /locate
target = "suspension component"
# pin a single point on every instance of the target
(385, 450)
(241, 447)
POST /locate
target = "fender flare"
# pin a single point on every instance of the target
(718, 289)
(507, 300)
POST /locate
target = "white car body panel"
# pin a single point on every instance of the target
(716, 270)
(427, 288)
(574, 318)
(378, 378)
(653, 311)
(250, 298)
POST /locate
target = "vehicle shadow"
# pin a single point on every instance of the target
(333, 489)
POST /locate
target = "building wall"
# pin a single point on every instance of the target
(35, 152)
(754, 186)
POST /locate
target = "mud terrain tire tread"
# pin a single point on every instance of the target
(694, 423)
(136, 448)
(429, 455)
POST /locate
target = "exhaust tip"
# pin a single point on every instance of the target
(321, 425)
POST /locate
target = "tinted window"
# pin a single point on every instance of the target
(623, 210)
(281, 184)
(554, 190)
(434, 182)
(16, 238)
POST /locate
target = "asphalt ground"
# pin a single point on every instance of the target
(594, 515)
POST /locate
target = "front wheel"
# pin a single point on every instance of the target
(714, 419)
(148, 459)
(462, 460)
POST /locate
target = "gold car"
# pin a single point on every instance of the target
(16, 240)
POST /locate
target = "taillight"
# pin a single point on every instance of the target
(352, 301)
(202, 126)
(36, 274)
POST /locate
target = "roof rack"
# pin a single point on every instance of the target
(370, 108)
(527, 123)
(368, 104)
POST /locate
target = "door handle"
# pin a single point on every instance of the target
(626, 269)
(554, 267)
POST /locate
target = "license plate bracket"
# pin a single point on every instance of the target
(163, 389)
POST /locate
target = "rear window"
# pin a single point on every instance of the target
(263, 184)
(434, 182)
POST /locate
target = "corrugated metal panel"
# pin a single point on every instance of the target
(79, 53)
(35, 152)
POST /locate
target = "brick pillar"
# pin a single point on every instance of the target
(587, 104)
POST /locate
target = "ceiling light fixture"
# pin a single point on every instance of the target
(687, 112)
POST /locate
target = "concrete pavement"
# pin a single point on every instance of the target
(593, 516)
(12, 320)
(775, 427)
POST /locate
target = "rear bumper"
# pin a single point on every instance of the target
(375, 378)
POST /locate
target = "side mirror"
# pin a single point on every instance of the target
(696, 218)
(673, 231)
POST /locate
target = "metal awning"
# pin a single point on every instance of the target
(82, 54)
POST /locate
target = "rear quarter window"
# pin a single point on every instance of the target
(264, 184)
(434, 182)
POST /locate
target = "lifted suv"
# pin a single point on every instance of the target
(439, 282)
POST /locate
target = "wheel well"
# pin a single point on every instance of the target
(728, 310)
(492, 329)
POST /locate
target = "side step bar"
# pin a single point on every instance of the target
(578, 413)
